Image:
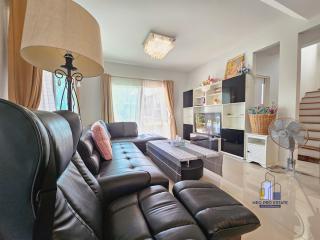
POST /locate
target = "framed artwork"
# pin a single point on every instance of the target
(233, 65)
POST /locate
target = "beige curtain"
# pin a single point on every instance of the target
(4, 17)
(106, 98)
(24, 80)
(168, 89)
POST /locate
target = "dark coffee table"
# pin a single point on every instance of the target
(179, 163)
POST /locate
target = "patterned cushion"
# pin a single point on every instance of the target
(102, 141)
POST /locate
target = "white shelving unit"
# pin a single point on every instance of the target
(261, 149)
(207, 95)
(234, 115)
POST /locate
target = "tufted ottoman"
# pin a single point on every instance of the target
(218, 214)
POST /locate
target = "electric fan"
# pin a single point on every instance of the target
(288, 134)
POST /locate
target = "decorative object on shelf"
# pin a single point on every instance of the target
(51, 41)
(260, 118)
(157, 46)
(243, 70)
(234, 65)
(210, 81)
(288, 134)
(205, 88)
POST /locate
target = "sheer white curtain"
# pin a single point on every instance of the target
(154, 111)
(126, 99)
(47, 101)
(143, 102)
(4, 19)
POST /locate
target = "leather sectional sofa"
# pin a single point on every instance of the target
(127, 153)
(47, 192)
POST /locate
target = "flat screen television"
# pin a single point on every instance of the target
(234, 89)
(208, 123)
(188, 99)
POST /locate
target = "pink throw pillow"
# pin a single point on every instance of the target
(102, 141)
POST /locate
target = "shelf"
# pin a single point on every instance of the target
(209, 105)
(199, 97)
(216, 83)
(233, 103)
(230, 116)
(213, 94)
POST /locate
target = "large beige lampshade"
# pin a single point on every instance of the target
(54, 27)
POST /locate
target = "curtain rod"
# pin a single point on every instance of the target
(136, 78)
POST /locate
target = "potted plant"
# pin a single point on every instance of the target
(261, 117)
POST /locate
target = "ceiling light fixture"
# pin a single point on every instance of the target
(158, 46)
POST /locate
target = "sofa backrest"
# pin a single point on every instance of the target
(78, 206)
(24, 156)
(30, 145)
(123, 129)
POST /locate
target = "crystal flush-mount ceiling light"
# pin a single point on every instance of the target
(158, 46)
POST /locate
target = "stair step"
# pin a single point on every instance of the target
(312, 93)
(313, 138)
(314, 134)
(313, 143)
(309, 112)
(309, 118)
(313, 127)
(310, 105)
(317, 149)
(308, 159)
(310, 99)
(308, 152)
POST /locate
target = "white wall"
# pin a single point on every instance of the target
(267, 64)
(284, 32)
(310, 69)
(90, 91)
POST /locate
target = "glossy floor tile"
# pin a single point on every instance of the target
(299, 219)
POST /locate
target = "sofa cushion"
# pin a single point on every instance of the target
(88, 152)
(127, 158)
(165, 216)
(123, 129)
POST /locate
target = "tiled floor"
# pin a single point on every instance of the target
(300, 219)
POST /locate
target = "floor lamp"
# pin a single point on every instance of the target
(62, 37)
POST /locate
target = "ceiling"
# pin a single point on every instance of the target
(203, 29)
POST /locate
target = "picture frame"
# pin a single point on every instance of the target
(233, 65)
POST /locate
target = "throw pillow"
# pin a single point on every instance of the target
(101, 140)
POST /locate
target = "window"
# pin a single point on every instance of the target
(47, 101)
(61, 95)
(126, 96)
(142, 102)
(52, 96)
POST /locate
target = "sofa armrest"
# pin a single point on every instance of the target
(115, 186)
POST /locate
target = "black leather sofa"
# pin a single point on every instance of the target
(133, 209)
(47, 192)
(128, 132)
(127, 153)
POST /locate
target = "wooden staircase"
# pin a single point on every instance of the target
(309, 117)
